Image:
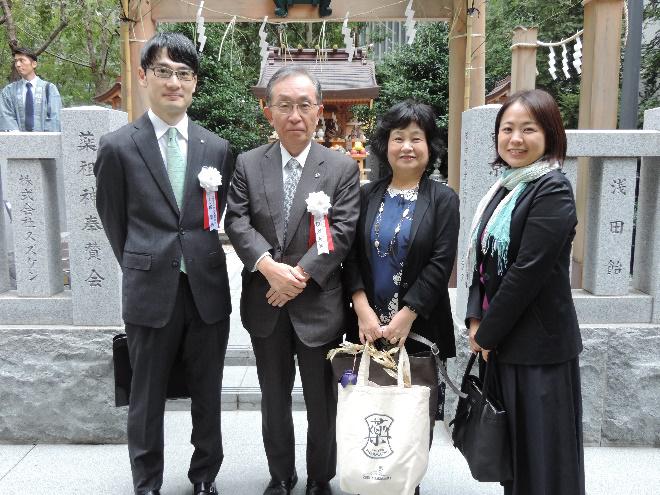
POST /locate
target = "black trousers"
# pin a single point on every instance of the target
(152, 352)
(276, 370)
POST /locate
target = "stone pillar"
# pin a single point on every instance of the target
(4, 260)
(95, 274)
(33, 194)
(523, 59)
(477, 152)
(646, 269)
(608, 232)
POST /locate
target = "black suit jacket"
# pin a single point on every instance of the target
(148, 233)
(428, 265)
(531, 318)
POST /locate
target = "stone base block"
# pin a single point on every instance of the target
(57, 386)
(19, 310)
(634, 307)
(620, 373)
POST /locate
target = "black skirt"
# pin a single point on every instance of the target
(544, 408)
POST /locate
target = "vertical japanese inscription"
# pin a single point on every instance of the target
(27, 209)
(91, 224)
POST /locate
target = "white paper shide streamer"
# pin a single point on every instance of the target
(318, 204)
(551, 63)
(201, 29)
(209, 180)
(411, 30)
(577, 55)
(348, 38)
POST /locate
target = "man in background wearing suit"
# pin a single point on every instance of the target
(175, 292)
(292, 298)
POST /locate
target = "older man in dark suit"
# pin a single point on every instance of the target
(160, 223)
(292, 299)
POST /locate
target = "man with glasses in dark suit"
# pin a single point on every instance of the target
(292, 301)
(176, 299)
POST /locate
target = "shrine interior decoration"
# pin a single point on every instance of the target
(282, 6)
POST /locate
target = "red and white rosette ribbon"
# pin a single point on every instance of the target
(209, 180)
(318, 204)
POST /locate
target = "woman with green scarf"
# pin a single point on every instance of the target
(520, 304)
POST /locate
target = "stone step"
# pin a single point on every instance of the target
(240, 391)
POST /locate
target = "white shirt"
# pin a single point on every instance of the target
(286, 156)
(161, 127)
(33, 81)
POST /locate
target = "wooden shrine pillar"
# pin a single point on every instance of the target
(141, 28)
(523, 59)
(599, 97)
(467, 77)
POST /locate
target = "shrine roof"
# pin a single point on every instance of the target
(340, 79)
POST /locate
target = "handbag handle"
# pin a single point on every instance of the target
(442, 371)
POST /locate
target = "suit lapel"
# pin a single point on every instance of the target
(145, 141)
(373, 203)
(312, 174)
(421, 205)
(194, 163)
(271, 169)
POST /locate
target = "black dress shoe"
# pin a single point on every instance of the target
(205, 487)
(318, 488)
(276, 487)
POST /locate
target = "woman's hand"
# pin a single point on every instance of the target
(368, 323)
(474, 347)
(399, 328)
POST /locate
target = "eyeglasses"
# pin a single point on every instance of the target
(286, 107)
(165, 73)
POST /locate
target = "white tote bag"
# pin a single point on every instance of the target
(382, 433)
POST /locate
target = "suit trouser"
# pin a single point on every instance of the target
(153, 352)
(276, 370)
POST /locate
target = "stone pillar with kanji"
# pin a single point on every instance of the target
(95, 274)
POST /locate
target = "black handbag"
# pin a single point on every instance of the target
(426, 368)
(481, 432)
(176, 387)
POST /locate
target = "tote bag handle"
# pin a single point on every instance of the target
(403, 369)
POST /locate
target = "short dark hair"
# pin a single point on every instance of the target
(293, 70)
(179, 48)
(23, 51)
(401, 116)
(543, 108)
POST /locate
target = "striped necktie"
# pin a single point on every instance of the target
(29, 108)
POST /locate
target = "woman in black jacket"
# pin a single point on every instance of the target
(405, 245)
(520, 304)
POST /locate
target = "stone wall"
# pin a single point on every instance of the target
(57, 386)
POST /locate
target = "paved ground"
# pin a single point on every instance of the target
(104, 469)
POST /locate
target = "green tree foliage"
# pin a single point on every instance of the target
(650, 75)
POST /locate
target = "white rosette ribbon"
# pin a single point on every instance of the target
(209, 180)
(318, 204)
